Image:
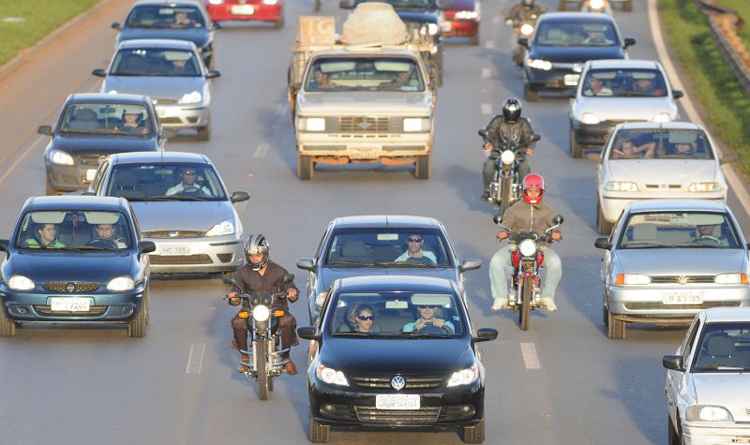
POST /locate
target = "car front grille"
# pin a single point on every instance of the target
(663, 186)
(422, 416)
(91, 160)
(385, 382)
(363, 124)
(170, 120)
(180, 260)
(46, 311)
(161, 234)
(682, 279)
(645, 306)
(71, 287)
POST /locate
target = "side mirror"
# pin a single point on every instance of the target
(485, 334)
(497, 219)
(346, 4)
(99, 72)
(470, 265)
(558, 220)
(677, 94)
(45, 130)
(230, 281)
(482, 133)
(306, 264)
(673, 362)
(602, 243)
(213, 74)
(307, 332)
(629, 41)
(215, 25)
(3, 245)
(116, 25)
(524, 41)
(147, 246)
(239, 197)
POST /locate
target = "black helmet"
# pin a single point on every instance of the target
(257, 245)
(512, 110)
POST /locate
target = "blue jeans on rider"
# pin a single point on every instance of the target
(501, 270)
(488, 170)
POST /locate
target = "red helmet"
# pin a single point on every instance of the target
(533, 180)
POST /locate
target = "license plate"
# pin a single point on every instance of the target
(90, 174)
(70, 304)
(174, 250)
(243, 10)
(682, 299)
(571, 80)
(397, 401)
(741, 440)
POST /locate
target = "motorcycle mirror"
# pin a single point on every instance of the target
(482, 133)
(497, 219)
(558, 220)
(536, 138)
(288, 278)
(235, 301)
(229, 281)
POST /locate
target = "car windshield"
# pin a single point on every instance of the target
(155, 62)
(366, 74)
(624, 83)
(661, 144)
(723, 347)
(411, 4)
(110, 119)
(679, 230)
(576, 33)
(165, 16)
(387, 248)
(165, 182)
(74, 230)
(405, 315)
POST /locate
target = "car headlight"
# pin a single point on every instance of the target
(314, 124)
(527, 247)
(507, 157)
(708, 413)
(632, 279)
(731, 278)
(621, 186)
(223, 228)
(270, 2)
(527, 29)
(704, 187)
(464, 377)
(60, 157)
(261, 313)
(466, 15)
(539, 64)
(331, 376)
(589, 119)
(121, 284)
(412, 124)
(661, 117)
(191, 98)
(596, 4)
(19, 282)
(432, 29)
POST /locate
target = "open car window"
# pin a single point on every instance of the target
(364, 73)
(165, 17)
(109, 119)
(661, 144)
(679, 230)
(392, 247)
(723, 347)
(74, 230)
(165, 182)
(155, 62)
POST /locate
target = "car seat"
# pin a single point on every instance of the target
(84, 119)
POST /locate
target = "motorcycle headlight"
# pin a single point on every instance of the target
(223, 228)
(661, 117)
(596, 4)
(464, 377)
(314, 124)
(432, 29)
(527, 247)
(704, 187)
(539, 64)
(731, 278)
(331, 376)
(215, 2)
(261, 313)
(60, 157)
(708, 413)
(621, 186)
(270, 2)
(413, 124)
(191, 98)
(121, 284)
(20, 282)
(527, 29)
(590, 119)
(507, 157)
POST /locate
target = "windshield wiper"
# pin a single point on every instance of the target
(177, 198)
(353, 334)
(89, 248)
(415, 334)
(351, 263)
(404, 264)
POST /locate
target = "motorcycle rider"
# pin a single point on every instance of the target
(260, 274)
(509, 126)
(527, 214)
(521, 12)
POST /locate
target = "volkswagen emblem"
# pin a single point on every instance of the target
(682, 279)
(173, 234)
(70, 288)
(364, 125)
(398, 382)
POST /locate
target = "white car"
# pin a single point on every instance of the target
(615, 91)
(708, 381)
(646, 160)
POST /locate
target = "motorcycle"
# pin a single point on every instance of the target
(527, 259)
(505, 187)
(521, 28)
(601, 6)
(262, 311)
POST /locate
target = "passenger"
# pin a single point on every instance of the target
(708, 235)
(187, 185)
(646, 87)
(182, 19)
(362, 320)
(597, 88)
(626, 149)
(415, 254)
(428, 317)
(321, 81)
(104, 237)
(46, 238)
(401, 80)
(681, 149)
(131, 123)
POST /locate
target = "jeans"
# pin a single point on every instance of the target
(488, 170)
(287, 330)
(501, 269)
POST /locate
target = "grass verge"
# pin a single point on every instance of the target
(23, 23)
(743, 9)
(726, 107)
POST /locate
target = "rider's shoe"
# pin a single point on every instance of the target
(244, 363)
(499, 304)
(548, 304)
(290, 368)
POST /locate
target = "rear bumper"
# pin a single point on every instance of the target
(261, 13)
(613, 206)
(693, 435)
(554, 79)
(592, 135)
(196, 256)
(460, 28)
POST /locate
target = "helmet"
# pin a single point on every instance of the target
(257, 245)
(527, 2)
(533, 179)
(512, 110)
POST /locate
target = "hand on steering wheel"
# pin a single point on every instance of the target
(103, 243)
(710, 238)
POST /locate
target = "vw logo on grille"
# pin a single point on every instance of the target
(173, 234)
(364, 125)
(682, 279)
(70, 288)
(398, 383)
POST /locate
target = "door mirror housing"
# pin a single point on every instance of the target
(116, 25)
(213, 74)
(524, 41)
(482, 133)
(677, 94)
(308, 333)
(485, 334)
(239, 197)
(147, 246)
(629, 41)
(99, 72)
(306, 264)
(602, 243)
(673, 362)
(46, 130)
(3, 245)
(558, 220)
(346, 4)
(470, 265)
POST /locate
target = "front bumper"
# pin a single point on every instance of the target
(736, 435)
(196, 255)
(261, 13)
(647, 301)
(560, 78)
(613, 205)
(364, 147)
(184, 116)
(460, 28)
(595, 135)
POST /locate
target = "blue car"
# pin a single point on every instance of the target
(75, 260)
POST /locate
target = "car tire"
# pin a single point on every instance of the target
(473, 434)
(605, 317)
(423, 167)
(305, 167)
(672, 434)
(7, 325)
(278, 24)
(51, 190)
(615, 327)
(575, 148)
(317, 432)
(137, 326)
(204, 133)
(602, 225)
(530, 94)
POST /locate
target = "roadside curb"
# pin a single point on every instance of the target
(14, 63)
(734, 178)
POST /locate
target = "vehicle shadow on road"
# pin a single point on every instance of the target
(468, 186)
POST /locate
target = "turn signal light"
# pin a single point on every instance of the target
(619, 279)
(278, 313)
(743, 278)
(234, 301)
(244, 315)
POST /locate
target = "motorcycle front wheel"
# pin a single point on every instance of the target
(505, 192)
(525, 310)
(262, 378)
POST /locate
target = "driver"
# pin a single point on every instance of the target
(181, 19)
(46, 237)
(414, 252)
(706, 235)
(429, 316)
(522, 12)
(104, 237)
(187, 185)
(131, 123)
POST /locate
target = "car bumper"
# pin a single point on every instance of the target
(196, 255)
(560, 79)
(716, 436)
(647, 301)
(361, 148)
(613, 206)
(595, 135)
(261, 13)
(460, 28)
(183, 116)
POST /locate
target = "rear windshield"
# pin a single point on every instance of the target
(661, 144)
(165, 16)
(365, 74)
(387, 248)
(74, 230)
(576, 33)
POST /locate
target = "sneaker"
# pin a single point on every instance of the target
(244, 363)
(548, 304)
(499, 304)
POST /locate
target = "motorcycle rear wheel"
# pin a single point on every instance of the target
(525, 309)
(261, 377)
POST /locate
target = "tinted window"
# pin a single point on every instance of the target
(164, 16)
(679, 229)
(387, 248)
(624, 83)
(368, 74)
(155, 62)
(65, 230)
(114, 119)
(723, 347)
(661, 144)
(165, 182)
(576, 33)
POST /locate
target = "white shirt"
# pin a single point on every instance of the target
(181, 187)
(425, 253)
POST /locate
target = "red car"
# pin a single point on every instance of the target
(247, 10)
(460, 19)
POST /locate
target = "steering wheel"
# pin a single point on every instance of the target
(431, 329)
(103, 243)
(193, 191)
(710, 238)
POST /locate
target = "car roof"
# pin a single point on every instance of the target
(651, 205)
(385, 283)
(726, 314)
(576, 17)
(168, 2)
(374, 51)
(384, 221)
(673, 125)
(156, 157)
(157, 43)
(623, 63)
(73, 202)
(107, 98)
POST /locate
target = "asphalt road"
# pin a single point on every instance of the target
(562, 382)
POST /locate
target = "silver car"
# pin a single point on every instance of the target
(182, 205)
(708, 381)
(646, 160)
(172, 73)
(667, 259)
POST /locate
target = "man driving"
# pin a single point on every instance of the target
(429, 317)
(131, 123)
(415, 254)
(104, 236)
(46, 238)
(187, 185)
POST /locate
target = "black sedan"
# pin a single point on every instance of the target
(170, 19)
(92, 127)
(396, 353)
(562, 43)
(380, 245)
(75, 260)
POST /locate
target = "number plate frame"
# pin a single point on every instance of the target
(70, 304)
(243, 10)
(398, 402)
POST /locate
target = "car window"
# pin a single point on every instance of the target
(165, 182)
(387, 248)
(80, 230)
(155, 62)
(109, 119)
(367, 74)
(723, 347)
(661, 144)
(165, 16)
(624, 83)
(679, 230)
(576, 33)
(395, 314)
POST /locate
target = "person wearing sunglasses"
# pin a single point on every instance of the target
(429, 321)
(415, 254)
(362, 320)
(188, 186)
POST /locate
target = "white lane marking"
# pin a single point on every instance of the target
(687, 102)
(18, 160)
(486, 73)
(195, 358)
(530, 357)
(490, 44)
(486, 108)
(261, 151)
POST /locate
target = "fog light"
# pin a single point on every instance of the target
(22, 310)
(328, 409)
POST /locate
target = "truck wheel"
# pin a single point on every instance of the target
(602, 225)
(530, 94)
(575, 149)
(137, 326)
(616, 328)
(423, 167)
(204, 133)
(305, 167)
(473, 434)
(7, 326)
(317, 432)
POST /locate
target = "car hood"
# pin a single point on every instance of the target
(680, 261)
(97, 267)
(182, 215)
(418, 16)
(167, 87)
(357, 102)
(328, 275)
(625, 108)
(575, 54)
(199, 36)
(661, 171)
(731, 391)
(102, 144)
(359, 356)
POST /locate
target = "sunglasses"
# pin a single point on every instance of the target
(428, 307)
(415, 240)
(365, 317)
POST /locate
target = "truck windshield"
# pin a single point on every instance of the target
(366, 74)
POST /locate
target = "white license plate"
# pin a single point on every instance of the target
(571, 79)
(682, 299)
(397, 401)
(90, 174)
(69, 304)
(174, 250)
(243, 10)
